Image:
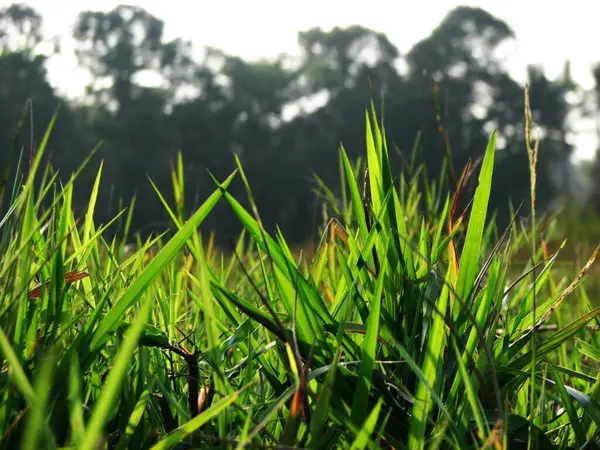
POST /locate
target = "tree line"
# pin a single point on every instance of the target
(284, 118)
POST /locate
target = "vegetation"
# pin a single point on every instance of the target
(422, 311)
(409, 327)
(290, 113)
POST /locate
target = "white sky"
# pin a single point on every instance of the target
(546, 32)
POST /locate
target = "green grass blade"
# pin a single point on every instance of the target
(472, 247)
(568, 405)
(166, 254)
(357, 203)
(37, 430)
(364, 435)
(360, 405)
(471, 391)
(135, 418)
(374, 165)
(555, 340)
(186, 429)
(76, 401)
(16, 371)
(431, 371)
(110, 390)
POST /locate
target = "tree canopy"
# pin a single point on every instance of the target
(284, 118)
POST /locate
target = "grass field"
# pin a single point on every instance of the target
(415, 323)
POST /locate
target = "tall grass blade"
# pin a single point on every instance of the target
(472, 247)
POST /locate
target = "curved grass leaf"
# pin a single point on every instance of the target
(472, 248)
(555, 340)
(152, 271)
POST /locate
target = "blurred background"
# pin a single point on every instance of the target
(282, 85)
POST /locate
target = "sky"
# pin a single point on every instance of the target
(547, 33)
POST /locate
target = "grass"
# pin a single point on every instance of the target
(414, 324)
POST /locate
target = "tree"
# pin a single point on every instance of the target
(334, 61)
(20, 27)
(118, 46)
(24, 84)
(239, 111)
(149, 98)
(477, 95)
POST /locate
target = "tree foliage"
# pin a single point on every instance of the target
(284, 118)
